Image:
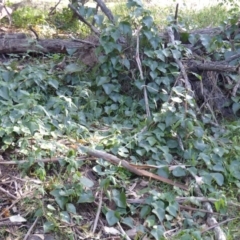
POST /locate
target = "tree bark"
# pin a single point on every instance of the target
(11, 45)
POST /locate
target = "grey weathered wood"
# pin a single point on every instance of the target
(10, 45)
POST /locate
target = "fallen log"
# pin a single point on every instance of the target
(11, 45)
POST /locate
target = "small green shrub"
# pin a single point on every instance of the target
(28, 16)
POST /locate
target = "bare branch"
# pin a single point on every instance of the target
(120, 162)
(82, 19)
(105, 10)
(141, 75)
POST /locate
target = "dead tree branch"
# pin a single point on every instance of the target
(179, 63)
(141, 76)
(120, 162)
(105, 10)
(211, 221)
(82, 19)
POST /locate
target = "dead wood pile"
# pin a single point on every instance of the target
(209, 78)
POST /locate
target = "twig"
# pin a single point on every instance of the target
(8, 208)
(176, 14)
(83, 41)
(211, 221)
(179, 63)
(98, 213)
(170, 231)
(228, 60)
(34, 32)
(210, 66)
(215, 225)
(46, 160)
(31, 228)
(8, 193)
(117, 161)
(8, 13)
(105, 10)
(54, 8)
(234, 91)
(141, 74)
(81, 18)
(9, 223)
(185, 199)
(123, 232)
(94, 20)
(199, 210)
(175, 83)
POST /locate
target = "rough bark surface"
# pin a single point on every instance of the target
(23, 45)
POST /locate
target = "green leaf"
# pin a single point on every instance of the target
(65, 217)
(198, 132)
(71, 51)
(168, 157)
(119, 198)
(98, 19)
(154, 74)
(234, 169)
(125, 28)
(157, 232)
(153, 88)
(86, 197)
(220, 204)
(147, 21)
(184, 36)
(163, 172)
(141, 152)
(115, 34)
(38, 213)
(176, 54)
(73, 68)
(111, 46)
(112, 217)
(149, 53)
(218, 167)
(123, 152)
(153, 65)
(172, 143)
(179, 172)
(54, 83)
(205, 158)
(128, 221)
(71, 208)
(32, 126)
(126, 63)
(166, 52)
(235, 107)
(219, 151)
(145, 211)
(160, 213)
(151, 140)
(102, 80)
(218, 177)
(200, 145)
(173, 209)
(4, 93)
(150, 221)
(86, 182)
(154, 41)
(48, 227)
(61, 201)
(160, 55)
(108, 88)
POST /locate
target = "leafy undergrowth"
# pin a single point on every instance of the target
(53, 106)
